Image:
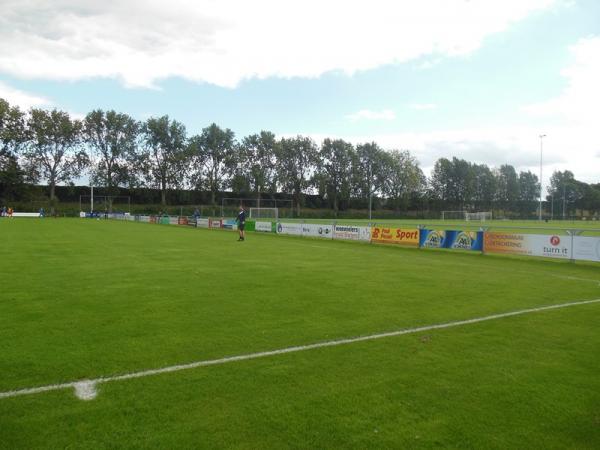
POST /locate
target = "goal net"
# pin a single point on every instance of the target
(454, 215)
(481, 216)
(264, 213)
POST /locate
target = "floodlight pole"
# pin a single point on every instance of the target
(542, 136)
(370, 192)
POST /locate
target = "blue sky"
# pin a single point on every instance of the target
(473, 79)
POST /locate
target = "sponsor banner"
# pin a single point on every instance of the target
(230, 224)
(202, 223)
(402, 236)
(152, 219)
(453, 239)
(265, 227)
(317, 230)
(173, 220)
(215, 223)
(586, 248)
(352, 233)
(182, 220)
(289, 228)
(551, 246)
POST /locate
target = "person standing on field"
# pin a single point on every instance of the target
(241, 220)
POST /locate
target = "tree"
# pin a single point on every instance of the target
(13, 130)
(402, 178)
(54, 152)
(211, 152)
(163, 161)
(484, 186)
(335, 175)
(441, 179)
(507, 192)
(368, 171)
(295, 162)
(258, 160)
(564, 186)
(13, 135)
(12, 177)
(113, 138)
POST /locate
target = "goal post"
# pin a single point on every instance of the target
(454, 215)
(264, 213)
(480, 216)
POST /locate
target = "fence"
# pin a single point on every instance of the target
(558, 243)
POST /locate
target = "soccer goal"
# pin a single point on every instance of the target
(454, 215)
(264, 213)
(480, 216)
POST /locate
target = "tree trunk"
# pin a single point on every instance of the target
(52, 196)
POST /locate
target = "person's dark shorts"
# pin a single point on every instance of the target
(241, 226)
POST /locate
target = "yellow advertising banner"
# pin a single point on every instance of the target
(400, 236)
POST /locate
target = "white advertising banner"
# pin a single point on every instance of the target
(202, 223)
(215, 223)
(265, 227)
(317, 230)
(289, 228)
(586, 248)
(551, 246)
(352, 233)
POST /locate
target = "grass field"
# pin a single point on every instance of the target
(83, 299)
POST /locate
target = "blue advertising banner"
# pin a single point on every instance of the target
(454, 239)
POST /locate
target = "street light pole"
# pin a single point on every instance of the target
(370, 192)
(542, 136)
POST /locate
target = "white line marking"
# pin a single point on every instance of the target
(86, 389)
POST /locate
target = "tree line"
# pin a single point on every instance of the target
(116, 151)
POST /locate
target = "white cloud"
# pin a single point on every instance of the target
(22, 99)
(144, 41)
(367, 114)
(423, 106)
(580, 102)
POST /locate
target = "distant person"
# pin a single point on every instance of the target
(241, 220)
(3, 214)
(42, 213)
(10, 211)
(196, 213)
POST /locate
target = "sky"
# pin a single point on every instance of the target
(476, 79)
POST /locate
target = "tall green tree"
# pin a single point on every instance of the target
(163, 161)
(55, 151)
(335, 173)
(13, 136)
(484, 186)
(113, 139)
(507, 186)
(403, 178)
(13, 128)
(296, 159)
(259, 161)
(212, 158)
(567, 189)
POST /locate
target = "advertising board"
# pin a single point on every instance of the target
(550, 246)
(586, 248)
(453, 239)
(317, 230)
(264, 227)
(215, 223)
(202, 223)
(352, 233)
(230, 224)
(289, 228)
(402, 236)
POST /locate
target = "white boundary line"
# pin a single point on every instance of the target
(86, 389)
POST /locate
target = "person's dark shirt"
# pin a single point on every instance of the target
(241, 216)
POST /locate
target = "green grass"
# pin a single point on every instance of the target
(83, 299)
